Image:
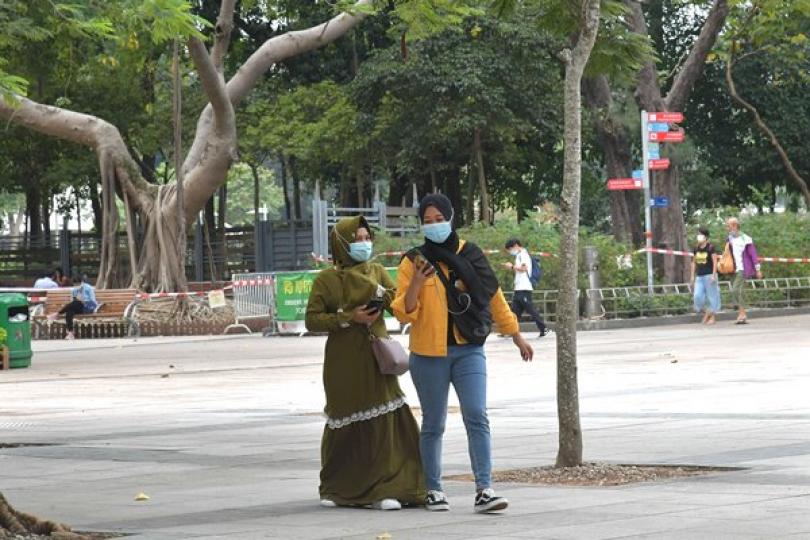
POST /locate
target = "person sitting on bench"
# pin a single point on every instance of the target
(84, 301)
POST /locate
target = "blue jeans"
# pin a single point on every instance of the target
(706, 290)
(465, 367)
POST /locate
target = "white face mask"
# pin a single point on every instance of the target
(701, 238)
(514, 252)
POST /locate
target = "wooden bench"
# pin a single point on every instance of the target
(112, 304)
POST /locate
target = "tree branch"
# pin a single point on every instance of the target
(648, 91)
(222, 34)
(695, 63)
(211, 81)
(80, 128)
(788, 164)
(239, 86)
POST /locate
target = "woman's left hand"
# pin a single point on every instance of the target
(526, 351)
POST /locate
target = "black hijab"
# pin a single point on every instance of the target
(470, 265)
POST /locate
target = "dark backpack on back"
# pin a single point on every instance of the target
(537, 272)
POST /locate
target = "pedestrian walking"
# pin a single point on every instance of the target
(370, 444)
(525, 269)
(746, 265)
(448, 292)
(706, 291)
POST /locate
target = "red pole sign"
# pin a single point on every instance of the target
(675, 117)
(658, 164)
(667, 136)
(616, 184)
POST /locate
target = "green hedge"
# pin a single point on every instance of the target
(776, 235)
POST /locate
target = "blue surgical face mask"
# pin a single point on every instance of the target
(361, 251)
(437, 232)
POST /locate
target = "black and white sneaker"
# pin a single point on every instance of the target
(436, 501)
(487, 501)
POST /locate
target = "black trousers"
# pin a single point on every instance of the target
(522, 303)
(71, 310)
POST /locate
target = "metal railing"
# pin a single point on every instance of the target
(676, 299)
(254, 297)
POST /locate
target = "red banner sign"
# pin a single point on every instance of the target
(658, 164)
(616, 184)
(675, 117)
(667, 136)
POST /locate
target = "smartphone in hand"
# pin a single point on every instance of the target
(374, 305)
(422, 263)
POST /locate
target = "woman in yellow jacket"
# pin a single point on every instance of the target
(448, 292)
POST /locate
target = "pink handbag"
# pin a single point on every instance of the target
(392, 359)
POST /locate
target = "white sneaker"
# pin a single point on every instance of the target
(70, 336)
(486, 501)
(328, 503)
(436, 501)
(387, 504)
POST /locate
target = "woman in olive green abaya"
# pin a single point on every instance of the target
(370, 445)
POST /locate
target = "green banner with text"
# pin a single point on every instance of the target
(292, 293)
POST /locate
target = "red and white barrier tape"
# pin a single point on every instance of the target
(666, 252)
(803, 260)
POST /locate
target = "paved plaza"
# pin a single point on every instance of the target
(223, 435)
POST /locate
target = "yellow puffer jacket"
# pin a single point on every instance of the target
(428, 336)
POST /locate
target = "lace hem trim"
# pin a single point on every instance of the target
(374, 412)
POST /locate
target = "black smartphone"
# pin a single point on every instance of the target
(421, 262)
(374, 305)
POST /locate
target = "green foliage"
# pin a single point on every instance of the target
(775, 235)
(171, 19)
(3, 336)
(240, 194)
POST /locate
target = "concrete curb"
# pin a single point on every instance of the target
(642, 322)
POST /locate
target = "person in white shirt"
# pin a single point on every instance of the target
(522, 299)
(46, 282)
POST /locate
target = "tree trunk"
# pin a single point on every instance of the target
(46, 219)
(397, 188)
(285, 190)
(794, 175)
(614, 140)
(668, 223)
(222, 211)
(453, 192)
(296, 182)
(360, 187)
(486, 210)
(346, 191)
(33, 209)
(254, 169)
(180, 210)
(569, 453)
(470, 202)
(95, 204)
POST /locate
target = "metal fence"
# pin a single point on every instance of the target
(676, 299)
(254, 297)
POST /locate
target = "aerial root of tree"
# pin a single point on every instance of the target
(14, 523)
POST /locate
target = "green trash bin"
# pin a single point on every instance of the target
(14, 318)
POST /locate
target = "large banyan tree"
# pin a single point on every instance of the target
(156, 262)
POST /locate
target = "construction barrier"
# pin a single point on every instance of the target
(253, 297)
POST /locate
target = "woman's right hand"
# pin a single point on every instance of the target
(362, 315)
(421, 274)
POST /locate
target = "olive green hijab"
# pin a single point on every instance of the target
(342, 235)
